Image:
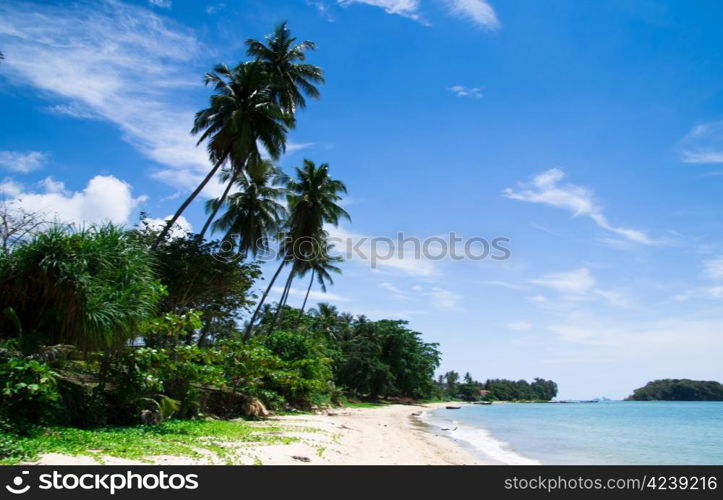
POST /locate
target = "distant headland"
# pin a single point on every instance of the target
(679, 390)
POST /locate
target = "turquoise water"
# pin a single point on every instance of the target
(616, 432)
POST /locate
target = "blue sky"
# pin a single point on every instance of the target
(589, 133)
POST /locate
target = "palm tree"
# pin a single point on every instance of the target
(282, 59)
(279, 77)
(242, 113)
(313, 201)
(320, 268)
(253, 213)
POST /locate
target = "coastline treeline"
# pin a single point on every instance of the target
(451, 386)
(679, 390)
(97, 330)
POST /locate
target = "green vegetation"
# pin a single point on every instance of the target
(450, 387)
(174, 437)
(679, 390)
(125, 341)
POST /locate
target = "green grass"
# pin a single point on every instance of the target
(364, 404)
(173, 437)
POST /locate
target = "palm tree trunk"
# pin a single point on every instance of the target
(185, 204)
(218, 205)
(303, 306)
(250, 326)
(283, 298)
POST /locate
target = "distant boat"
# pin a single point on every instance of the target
(482, 403)
(453, 407)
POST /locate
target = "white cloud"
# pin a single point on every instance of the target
(180, 228)
(442, 298)
(23, 163)
(478, 12)
(73, 110)
(10, 188)
(659, 340)
(395, 291)
(545, 188)
(462, 91)
(359, 248)
(164, 4)
(704, 144)
(713, 268)
(213, 9)
(292, 147)
(321, 8)
(580, 285)
(404, 8)
(104, 199)
(505, 284)
(313, 294)
(50, 185)
(117, 62)
(574, 283)
(520, 326)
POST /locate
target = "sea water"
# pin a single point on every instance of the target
(614, 432)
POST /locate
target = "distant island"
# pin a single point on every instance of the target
(451, 386)
(679, 390)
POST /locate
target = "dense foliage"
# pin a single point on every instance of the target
(679, 390)
(469, 389)
(182, 353)
(91, 287)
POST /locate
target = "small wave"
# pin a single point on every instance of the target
(478, 439)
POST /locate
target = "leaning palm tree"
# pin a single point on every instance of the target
(313, 201)
(253, 214)
(283, 80)
(283, 60)
(242, 113)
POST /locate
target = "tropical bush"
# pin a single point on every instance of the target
(91, 287)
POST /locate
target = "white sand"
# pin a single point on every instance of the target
(387, 435)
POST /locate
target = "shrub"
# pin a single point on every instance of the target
(29, 392)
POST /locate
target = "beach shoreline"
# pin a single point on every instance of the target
(383, 435)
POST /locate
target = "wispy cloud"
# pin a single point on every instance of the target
(395, 291)
(121, 63)
(164, 4)
(580, 285)
(714, 268)
(360, 248)
(404, 8)
(520, 326)
(215, 8)
(321, 8)
(441, 298)
(313, 295)
(704, 144)
(462, 91)
(22, 163)
(505, 284)
(479, 12)
(546, 188)
(573, 283)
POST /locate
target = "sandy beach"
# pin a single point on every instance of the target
(385, 435)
